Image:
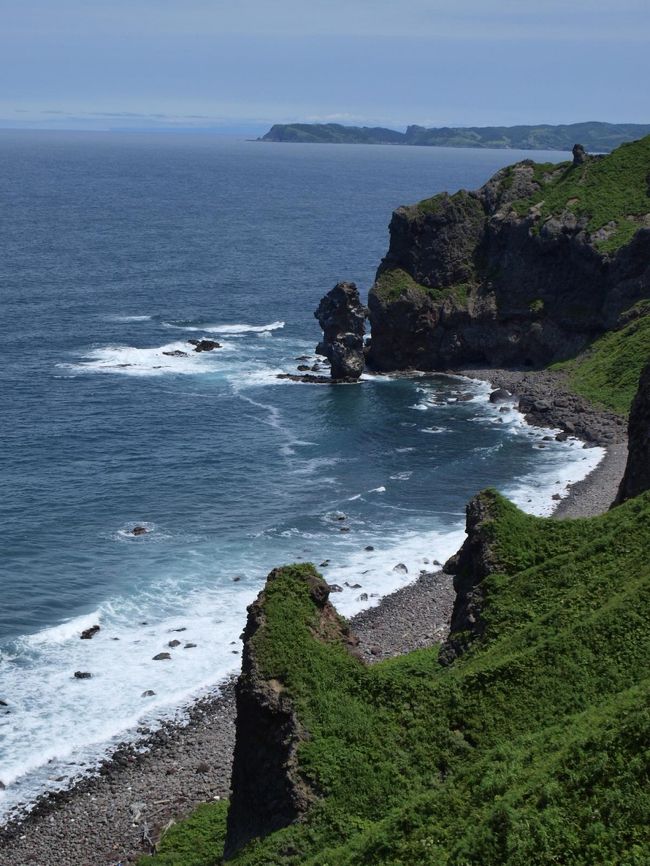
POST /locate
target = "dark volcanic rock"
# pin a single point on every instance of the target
(470, 566)
(82, 675)
(500, 395)
(342, 317)
(470, 280)
(268, 790)
(637, 471)
(204, 345)
(579, 154)
(89, 633)
(139, 530)
(159, 657)
(176, 353)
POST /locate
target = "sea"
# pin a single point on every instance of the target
(116, 249)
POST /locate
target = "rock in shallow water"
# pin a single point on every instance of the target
(342, 317)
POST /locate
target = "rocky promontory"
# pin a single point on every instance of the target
(526, 271)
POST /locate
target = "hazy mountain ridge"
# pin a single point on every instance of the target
(594, 135)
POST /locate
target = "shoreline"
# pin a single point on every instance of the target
(113, 816)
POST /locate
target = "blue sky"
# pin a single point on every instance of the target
(248, 63)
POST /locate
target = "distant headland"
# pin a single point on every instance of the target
(595, 135)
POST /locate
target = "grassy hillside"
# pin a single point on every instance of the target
(608, 372)
(533, 748)
(612, 193)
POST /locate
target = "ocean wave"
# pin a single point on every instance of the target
(234, 329)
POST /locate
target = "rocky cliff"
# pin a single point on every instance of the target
(527, 270)
(269, 789)
(637, 472)
(475, 561)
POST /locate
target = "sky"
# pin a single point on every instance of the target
(245, 64)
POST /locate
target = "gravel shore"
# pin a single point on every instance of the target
(113, 817)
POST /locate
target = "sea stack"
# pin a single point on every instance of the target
(342, 317)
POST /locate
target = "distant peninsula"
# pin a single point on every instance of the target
(594, 135)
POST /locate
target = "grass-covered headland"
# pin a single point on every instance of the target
(532, 748)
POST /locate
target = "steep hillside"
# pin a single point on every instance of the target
(531, 747)
(531, 269)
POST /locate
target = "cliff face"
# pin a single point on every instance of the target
(269, 790)
(475, 561)
(636, 479)
(526, 271)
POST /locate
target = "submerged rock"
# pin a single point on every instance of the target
(342, 317)
(139, 530)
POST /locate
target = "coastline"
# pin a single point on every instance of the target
(114, 816)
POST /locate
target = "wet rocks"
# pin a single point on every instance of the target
(82, 675)
(149, 693)
(342, 317)
(401, 568)
(89, 633)
(500, 395)
(139, 530)
(176, 353)
(159, 657)
(174, 643)
(204, 345)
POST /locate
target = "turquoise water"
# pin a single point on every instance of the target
(118, 248)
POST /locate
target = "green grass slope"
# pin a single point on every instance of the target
(608, 372)
(533, 748)
(612, 193)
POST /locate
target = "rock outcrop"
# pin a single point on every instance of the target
(268, 789)
(518, 273)
(342, 317)
(475, 561)
(636, 479)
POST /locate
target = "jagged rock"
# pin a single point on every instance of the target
(500, 395)
(89, 633)
(579, 154)
(334, 587)
(636, 479)
(268, 790)
(342, 317)
(470, 566)
(204, 345)
(470, 280)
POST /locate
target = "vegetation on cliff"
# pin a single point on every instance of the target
(531, 748)
(611, 194)
(607, 373)
(543, 262)
(595, 135)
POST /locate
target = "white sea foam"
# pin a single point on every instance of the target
(117, 318)
(133, 361)
(233, 330)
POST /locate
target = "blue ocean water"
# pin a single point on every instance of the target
(117, 248)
